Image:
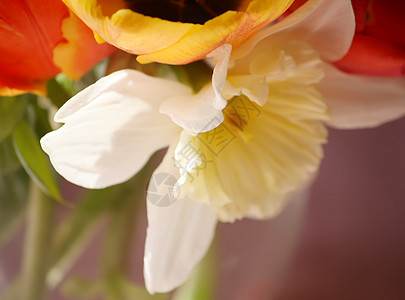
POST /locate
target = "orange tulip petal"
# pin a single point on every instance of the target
(81, 51)
(164, 41)
(28, 33)
(127, 30)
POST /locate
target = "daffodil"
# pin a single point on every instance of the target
(176, 32)
(39, 39)
(238, 148)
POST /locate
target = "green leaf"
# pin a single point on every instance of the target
(196, 75)
(37, 116)
(11, 111)
(8, 159)
(13, 200)
(57, 93)
(66, 83)
(34, 161)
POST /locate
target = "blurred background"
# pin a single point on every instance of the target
(353, 240)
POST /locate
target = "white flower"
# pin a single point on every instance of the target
(274, 143)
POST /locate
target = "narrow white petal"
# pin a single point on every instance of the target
(111, 129)
(358, 101)
(195, 113)
(221, 57)
(327, 25)
(202, 112)
(178, 236)
(254, 87)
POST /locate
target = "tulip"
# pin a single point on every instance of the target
(39, 40)
(378, 46)
(176, 32)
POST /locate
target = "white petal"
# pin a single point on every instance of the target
(221, 56)
(111, 129)
(327, 25)
(202, 112)
(254, 87)
(178, 236)
(128, 83)
(195, 113)
(358, 101)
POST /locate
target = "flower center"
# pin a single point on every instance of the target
(187, 11)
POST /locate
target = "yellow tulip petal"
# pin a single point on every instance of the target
(9, 92)
(199, 42)
(229, 28)
(164, 41)
(128, 30)
(139, 34)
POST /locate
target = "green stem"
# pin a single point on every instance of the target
(118, 243)
(35, 263)
(118, 236)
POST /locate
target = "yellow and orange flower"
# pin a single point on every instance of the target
(176, 32)
(39, 39)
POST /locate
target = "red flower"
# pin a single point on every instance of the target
(378, 47)
(39, 39)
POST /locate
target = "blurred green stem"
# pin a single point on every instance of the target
(35, 261)
(117, 246)
(120, 233)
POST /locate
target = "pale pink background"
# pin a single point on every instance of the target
(353, 243)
